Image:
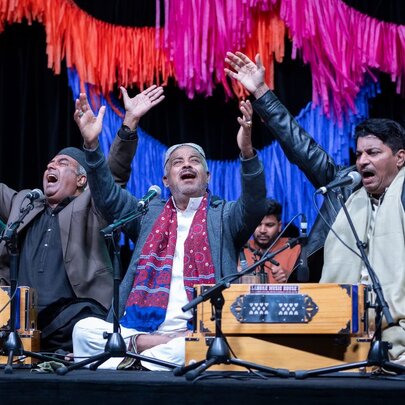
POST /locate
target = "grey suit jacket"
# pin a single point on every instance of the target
(230, 224)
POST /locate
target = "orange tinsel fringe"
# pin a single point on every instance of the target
(102, 54)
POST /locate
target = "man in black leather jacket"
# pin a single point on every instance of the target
(300, 148)
(376, 206)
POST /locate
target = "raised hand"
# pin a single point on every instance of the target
(244, 137)
(89, 124)
(248, 73)
(138, 106)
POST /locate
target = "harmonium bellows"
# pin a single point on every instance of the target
(26, 304)
(287, 308)
(25, 300)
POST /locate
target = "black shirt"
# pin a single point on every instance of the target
(41, 259)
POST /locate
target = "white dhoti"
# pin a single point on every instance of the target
(88, 341)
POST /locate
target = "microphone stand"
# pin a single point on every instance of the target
(378, 353)
(13, 345)
(303, 270)
(263, 278)
(115, 346)
(219, 351)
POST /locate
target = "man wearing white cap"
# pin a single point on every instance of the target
(189, 239)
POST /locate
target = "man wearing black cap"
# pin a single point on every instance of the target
(62, 254)
(192, 238)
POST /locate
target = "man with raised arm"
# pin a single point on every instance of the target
(63, 256)
(192, 238)
(376, 206)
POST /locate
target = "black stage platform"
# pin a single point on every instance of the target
(144, 387)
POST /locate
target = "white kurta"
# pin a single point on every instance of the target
(384, 232)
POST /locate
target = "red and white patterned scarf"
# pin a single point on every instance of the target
(147, 302)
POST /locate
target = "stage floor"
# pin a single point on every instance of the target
(84, 386)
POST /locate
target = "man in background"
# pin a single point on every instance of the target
(267, 237)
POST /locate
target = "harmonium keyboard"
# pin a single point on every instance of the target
(292, 326)
(25, 323)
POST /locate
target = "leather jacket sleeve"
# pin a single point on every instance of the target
(320, 169)
(300, 148)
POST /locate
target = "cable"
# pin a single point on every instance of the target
(330, 226)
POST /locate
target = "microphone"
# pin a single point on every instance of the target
(242, 259)
(153, 192)
(352, 179)
(2, 228)
(303, 271)
(35, 194)
(303, 226)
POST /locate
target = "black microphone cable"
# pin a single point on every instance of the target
(330, 226)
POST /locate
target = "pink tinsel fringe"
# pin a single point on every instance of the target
(198, 33)
(341, 45)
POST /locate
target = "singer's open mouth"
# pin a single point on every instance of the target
(51, 178)
(188, 175)
(367, 177)
(367, 174)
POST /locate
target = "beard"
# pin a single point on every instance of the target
(264, 245)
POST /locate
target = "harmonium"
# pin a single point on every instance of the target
(290, 326)
(25, 323)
